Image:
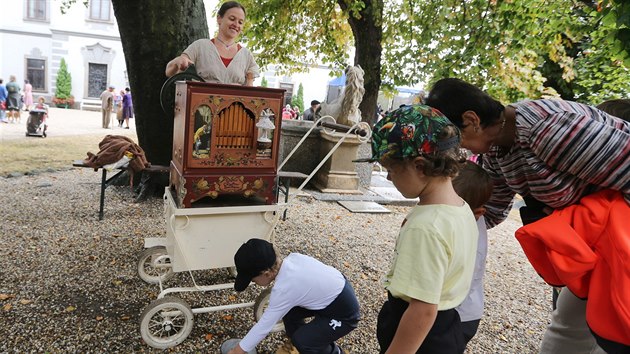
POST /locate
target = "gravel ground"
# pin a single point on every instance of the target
(68, 282)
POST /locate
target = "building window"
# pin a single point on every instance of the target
(36, 73)
(100, 10)
(36, 10)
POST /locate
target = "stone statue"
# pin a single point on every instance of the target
(345, 109)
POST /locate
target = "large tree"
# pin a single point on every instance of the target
(152, 33)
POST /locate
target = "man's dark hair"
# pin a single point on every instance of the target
(453, 97)
(229, 5)
(314, 102)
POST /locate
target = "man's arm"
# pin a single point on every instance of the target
(413, 327)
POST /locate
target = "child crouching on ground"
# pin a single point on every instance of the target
(474, 185)
(304, 287)
(434, 256)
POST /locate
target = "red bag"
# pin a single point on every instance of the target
(3, 105)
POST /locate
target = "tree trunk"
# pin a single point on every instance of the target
(152, 33)
(368, 35)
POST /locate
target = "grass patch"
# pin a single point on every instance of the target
(38, 154)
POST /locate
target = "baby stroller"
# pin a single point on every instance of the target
(36, 123)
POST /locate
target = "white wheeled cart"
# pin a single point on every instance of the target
(196, 239)
(208, 238)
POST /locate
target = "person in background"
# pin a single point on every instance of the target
(551, 152)
(474, 185)
(296, 112)
(311, 113)
(303, 288)
(287, 112)
(127, 104)
(434, 257)
(3, 102)
(28, 95)
(41, 104)
(107, 102)
(118, 102)
(14, 98)
(221, 59)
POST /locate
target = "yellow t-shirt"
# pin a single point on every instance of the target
(434, 256)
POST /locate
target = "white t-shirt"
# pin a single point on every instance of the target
(472, 307)
(302, 281)
(210, 67)
(434, 255)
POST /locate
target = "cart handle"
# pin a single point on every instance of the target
(344, 128)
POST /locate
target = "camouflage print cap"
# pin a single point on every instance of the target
(410, 131)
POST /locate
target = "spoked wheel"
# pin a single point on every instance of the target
(166, 322)
(261, 303)
(155, 265)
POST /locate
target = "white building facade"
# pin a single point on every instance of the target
(35, 35)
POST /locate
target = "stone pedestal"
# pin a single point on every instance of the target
(338, 174)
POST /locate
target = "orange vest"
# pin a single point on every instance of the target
(586, 247)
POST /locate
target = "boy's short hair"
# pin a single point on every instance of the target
(473, 184)
(413, 131)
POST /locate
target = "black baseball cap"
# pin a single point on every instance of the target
(251, 259)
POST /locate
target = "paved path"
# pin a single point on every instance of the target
(66, 122)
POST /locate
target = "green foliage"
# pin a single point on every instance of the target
(64, 82)
(294, 34)
(514, 49)
(298, 99)
(264, 82)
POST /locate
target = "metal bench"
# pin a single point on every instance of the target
(106, 182)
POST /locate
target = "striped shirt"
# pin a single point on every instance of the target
(563, 151)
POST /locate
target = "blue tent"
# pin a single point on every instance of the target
(340, 81)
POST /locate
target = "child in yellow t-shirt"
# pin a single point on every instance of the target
(434, 257)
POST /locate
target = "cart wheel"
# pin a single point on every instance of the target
(166, 322)
(155, 265)
(261, 303)
(232, 271)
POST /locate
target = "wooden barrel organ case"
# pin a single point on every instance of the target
(225, 144)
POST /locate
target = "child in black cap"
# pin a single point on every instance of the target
(434, 256)
(303, 287)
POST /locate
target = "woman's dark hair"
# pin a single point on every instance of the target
(127, 89)
(618, 108)
(229, 5)
(453, 97)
